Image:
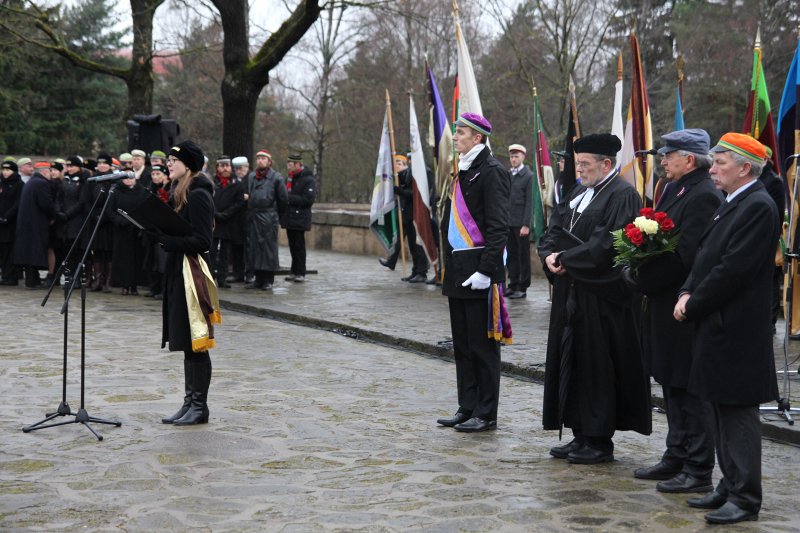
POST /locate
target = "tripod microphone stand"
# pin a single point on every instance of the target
(81, 416)
(790, 262)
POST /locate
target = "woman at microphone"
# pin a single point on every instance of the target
(189, 304)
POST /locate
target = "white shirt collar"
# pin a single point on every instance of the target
(465, 161)
(740, 190)
(583, 199)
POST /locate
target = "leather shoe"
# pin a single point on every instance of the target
(457, 418)
(730, 513)
(683, 483)
(659, 471)
(712, 500)
(385, 263)
(475, 424)
(517, 294)
(417, 278)
(586, 455)
(561, 452)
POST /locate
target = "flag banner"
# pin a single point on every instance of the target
(758, 117)
(420, 189)
(544, 187)
(677, 122)
(638, 170)
(788, 145)
(382, 220)
(567, 178)
(617, 125)
(441, 139)
(469, 100)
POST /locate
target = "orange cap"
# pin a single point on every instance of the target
(742, 144)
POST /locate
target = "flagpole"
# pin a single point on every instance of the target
(402, 242)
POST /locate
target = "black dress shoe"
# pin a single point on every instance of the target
(685, 483)
(730, 513)
(385, 263)
(517, 294)
(456, 419)
(561, 452)
(659, 471)
(417, 278)
(586, 455)
(475, 424)
(712, 500)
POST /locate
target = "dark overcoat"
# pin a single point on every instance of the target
(591, 321)
(104, 239)
(301, 198)
(520, 201)
(229, 205)
(690, 202)
(36, 210)
(199, 212)
(267, 199)
(128, 245)
(731, 300)
(10, 192)
(485, 187)
(73, 206)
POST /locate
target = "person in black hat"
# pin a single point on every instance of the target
(689, 200)
(595, 382)
(193, 200)
(302, 189)
(10, 191)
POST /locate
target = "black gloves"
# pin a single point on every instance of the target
(629, 277)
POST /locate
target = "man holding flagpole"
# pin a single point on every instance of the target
(475, 230)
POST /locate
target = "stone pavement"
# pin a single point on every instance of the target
(309, 431)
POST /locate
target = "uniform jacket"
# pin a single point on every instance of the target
(520, 201)
(731, 298)
(485, 186)
(301, 198)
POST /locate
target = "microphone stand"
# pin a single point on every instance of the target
(791, 256)
(81, 416)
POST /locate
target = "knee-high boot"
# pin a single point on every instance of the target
(187, 399)
(201, 379)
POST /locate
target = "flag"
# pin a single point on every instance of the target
(440, 138)
(382, 219)
(567, 177)
(617, 126)
(420, 191)
(468, 101)
(758, 117)
(543, 189)
(638, 170)
(677, 123)
(789, 144)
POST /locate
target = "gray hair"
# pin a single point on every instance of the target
(701, 161)
(755, 166)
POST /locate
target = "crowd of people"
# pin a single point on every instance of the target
(43, 205)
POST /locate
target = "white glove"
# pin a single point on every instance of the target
(478, 281)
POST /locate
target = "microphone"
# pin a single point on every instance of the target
(793, 156)
(119, 175)
(652, 151)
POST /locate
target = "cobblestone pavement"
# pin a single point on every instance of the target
(309, 431)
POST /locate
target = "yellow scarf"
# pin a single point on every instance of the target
(201, 301)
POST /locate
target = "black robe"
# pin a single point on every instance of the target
(606, 386)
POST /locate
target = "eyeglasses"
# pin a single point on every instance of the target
(583, 164)
(171, 160)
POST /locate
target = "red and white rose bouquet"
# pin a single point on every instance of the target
(651, 233)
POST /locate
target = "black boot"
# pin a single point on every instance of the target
(187, 399)
(201, 379)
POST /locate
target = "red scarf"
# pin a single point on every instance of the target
(163, 194)
(261, 173)
(292, 174)
(223, 181)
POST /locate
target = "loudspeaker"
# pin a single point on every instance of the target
(151, 132)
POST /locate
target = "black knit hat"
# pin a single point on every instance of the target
(58, 166)
(160, 168)
(598, 143)
(190, 154)
(11, 164)
(104, 158)
(74, 160)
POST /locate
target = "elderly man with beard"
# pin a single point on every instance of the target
(266, 200)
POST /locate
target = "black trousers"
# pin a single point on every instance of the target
(519, 261)
(420, 260)
(222, 247)
(690, 441)
(777, 294)
(237, 259)
(737, 432)
(477, 358)
(297, 247)
(7, 266)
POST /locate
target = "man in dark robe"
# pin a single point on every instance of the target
(689, 200)
(595, 381)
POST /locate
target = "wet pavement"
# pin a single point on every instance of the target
(310, 430)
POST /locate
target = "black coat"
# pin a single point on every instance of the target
(731, 301)
(520, 201)
(10, 192)
(73, 207)
(36, 210)
(104, 239)
(128, 246)
(199, 212)
(690, 203)
(267, 200)
(301, 198)
(229, 207)
(607, 387)
(776, 190)
(485, 187)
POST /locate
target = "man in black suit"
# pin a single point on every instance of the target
(689, 200)
(480, 193)
(728, 296)
(520, 209)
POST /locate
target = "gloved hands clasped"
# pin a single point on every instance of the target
(477, 281)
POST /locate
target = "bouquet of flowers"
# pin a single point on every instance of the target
(650, 234)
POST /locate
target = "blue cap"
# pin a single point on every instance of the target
(692, 140)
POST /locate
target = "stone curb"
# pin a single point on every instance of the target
(778, 431)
